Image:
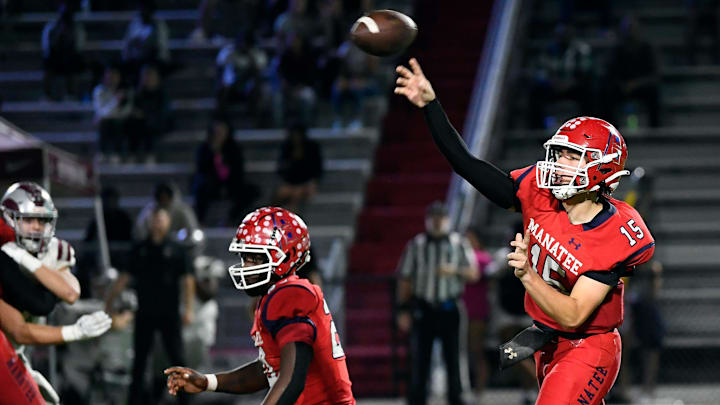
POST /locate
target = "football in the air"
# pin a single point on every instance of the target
(383, 32)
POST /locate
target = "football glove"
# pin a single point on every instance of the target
(87, 327)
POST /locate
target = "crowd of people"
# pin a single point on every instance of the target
(277, 63)
(570, 69)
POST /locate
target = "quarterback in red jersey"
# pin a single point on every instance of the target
(300, 357)
(578, 242)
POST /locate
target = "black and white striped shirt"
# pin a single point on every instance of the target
(422, 259)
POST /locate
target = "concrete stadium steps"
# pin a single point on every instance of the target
(689, 81)
(28, 55)
(404, 189)
(38, 6)
(136, 179)
(76, 212)
(689, 313)
(43, 116)
(672, 50)
(186, 83)
(188, 114)
(101, 25)
(664, 18)
(217, 239)
(258, 145)
(396, 205)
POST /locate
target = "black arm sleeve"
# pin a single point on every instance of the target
(610, 278)
(492, 182)
(23, 292)
(303, 356)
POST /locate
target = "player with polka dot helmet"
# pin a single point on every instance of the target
(601, 146)
(272, 243)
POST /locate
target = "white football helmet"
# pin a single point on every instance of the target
(22, 202)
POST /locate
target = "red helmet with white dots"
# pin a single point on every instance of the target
(280, 237)
(604, 152)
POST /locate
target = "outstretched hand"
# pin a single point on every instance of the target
(414, 85)
(519, 258)
(185, 379)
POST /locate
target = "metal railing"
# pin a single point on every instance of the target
(484, 103)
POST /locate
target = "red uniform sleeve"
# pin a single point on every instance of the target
(642, 242)
(286, 314)
(7, 234)
(522, 178)
(640, 256)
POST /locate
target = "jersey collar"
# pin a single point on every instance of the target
(602, 216)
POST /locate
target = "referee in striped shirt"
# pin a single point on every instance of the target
(432, 275)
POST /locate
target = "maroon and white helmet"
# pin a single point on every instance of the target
(277, 234)
(26, 200)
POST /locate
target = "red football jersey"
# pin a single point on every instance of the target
(615, 240)
(294, 310)
(7, 234)
(17, 386)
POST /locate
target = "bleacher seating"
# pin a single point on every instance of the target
(409, 174)
(69, 125)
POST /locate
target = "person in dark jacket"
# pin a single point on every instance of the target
(220, 172)
(160, 269)
(300, 167)
(150, 118)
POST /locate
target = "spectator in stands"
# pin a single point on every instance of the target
(220, 173)
(564, 71)
(300, 167)
(63, 39)
(636, 78)
(268, 12)
(240, 66)
(183, 223)
(146, 41)
(357, 81)
(222, 19)
(702, 18)
(162, 274)
(297, 21)
(112, 103)
(334, 23)
(298, 70)
(431, 277)
(150, 118)
(478, 312)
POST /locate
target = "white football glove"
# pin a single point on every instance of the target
(87, 327)
(22, 257)
(59, 254)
